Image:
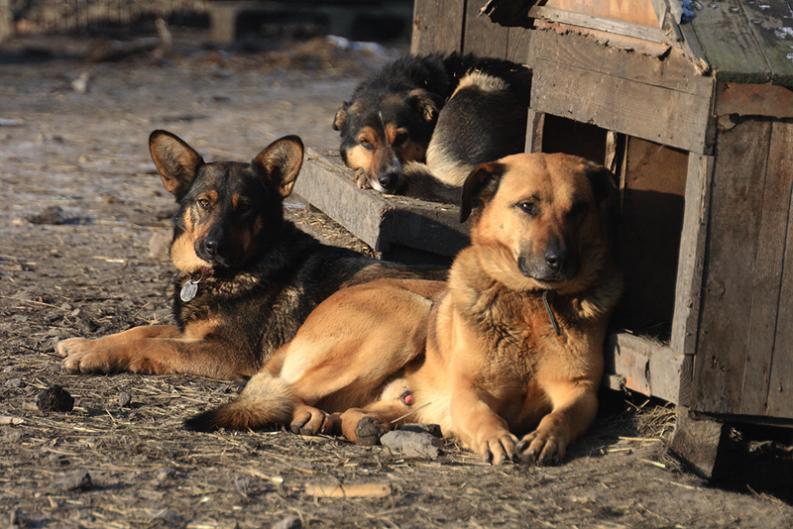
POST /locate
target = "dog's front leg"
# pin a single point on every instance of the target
(574, 409)
(479, 427)
(140, 352)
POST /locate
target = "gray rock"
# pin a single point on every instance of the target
(77, 480)
(412, 444)
(54, 398)
(432, 429)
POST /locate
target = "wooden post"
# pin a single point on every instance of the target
(690, 266)
(535, 123)
(6, 20)
(697, 441)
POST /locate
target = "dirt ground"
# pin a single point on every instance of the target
(80, 203)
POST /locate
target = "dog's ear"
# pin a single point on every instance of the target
(426, 103)
(176, 161)
(480, 186)
(606, 194)
(279, 163)
(601, 180)
(341, 116)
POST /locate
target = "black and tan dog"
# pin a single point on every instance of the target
(452, 112)
(512, 344)
(247, 277)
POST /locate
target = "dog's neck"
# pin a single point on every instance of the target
(473, 288)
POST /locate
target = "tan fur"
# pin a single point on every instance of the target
(481, 80)
(493, 366)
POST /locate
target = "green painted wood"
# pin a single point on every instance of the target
(773, 28)
(729, 43)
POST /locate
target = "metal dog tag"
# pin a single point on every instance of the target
(189, 290)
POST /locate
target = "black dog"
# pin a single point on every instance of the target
(452, 112)
(247, 277)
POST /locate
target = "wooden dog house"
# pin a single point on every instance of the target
(692, 109)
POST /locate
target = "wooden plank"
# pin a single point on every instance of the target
(640, 12)
(690, 266)
(482, 36)
(654, 113)
(732, 243)
(518, 42)
(770, 21)
(767, 275)
(649, 235)
(754, 100)
(609, 25)
(643, 365)
(437, 26)
(534, 131)
(729, 44)
(378, 220)
(674, 71)
(779, 401)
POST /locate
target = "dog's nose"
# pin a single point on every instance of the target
(211, 247)
(555, 256)
(388, 179)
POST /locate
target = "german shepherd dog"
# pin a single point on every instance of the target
(247, 277)
(452, 112)
(513, 343)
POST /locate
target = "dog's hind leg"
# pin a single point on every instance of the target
(365, 425)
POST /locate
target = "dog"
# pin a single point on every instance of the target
(512, 343)
(451, 111)
(247, 276)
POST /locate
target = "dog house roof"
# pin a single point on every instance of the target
(749, 42)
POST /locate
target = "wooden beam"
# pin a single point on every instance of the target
(697, 442)
(643, 365)
(658, 114)
(483, 37)
(690, 266)
(754, 100)
(673, 71)
(379, 220)
(609, 25)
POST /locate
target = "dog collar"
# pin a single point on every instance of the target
(190, 287)
(551, 315)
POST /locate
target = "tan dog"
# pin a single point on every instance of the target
(514, 342)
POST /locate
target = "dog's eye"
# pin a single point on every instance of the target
(366, 145)
(400, 138)
(578, 209)
(203, 203)
(530, 208)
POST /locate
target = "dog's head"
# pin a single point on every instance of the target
(228, 210)
(544, 224)
(380, 133)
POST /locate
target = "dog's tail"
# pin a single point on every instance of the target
(266, 400)
(420, 182)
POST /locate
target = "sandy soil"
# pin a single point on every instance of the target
(80, 203)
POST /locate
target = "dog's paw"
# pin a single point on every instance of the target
(362, 179)
(70, 346)
(369, 430)
(498, 448)
(91, 362)
(542, 448)
(308, 420)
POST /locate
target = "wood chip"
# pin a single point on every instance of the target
(6, 420)
(351, 490)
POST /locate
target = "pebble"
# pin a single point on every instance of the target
(77, 480)
(124, 399)
(15, 383)
(412, 444)
(54, 398)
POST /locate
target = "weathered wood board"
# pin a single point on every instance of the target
(378, 220)
(636, 101)
(437, 26)
(750, 204)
